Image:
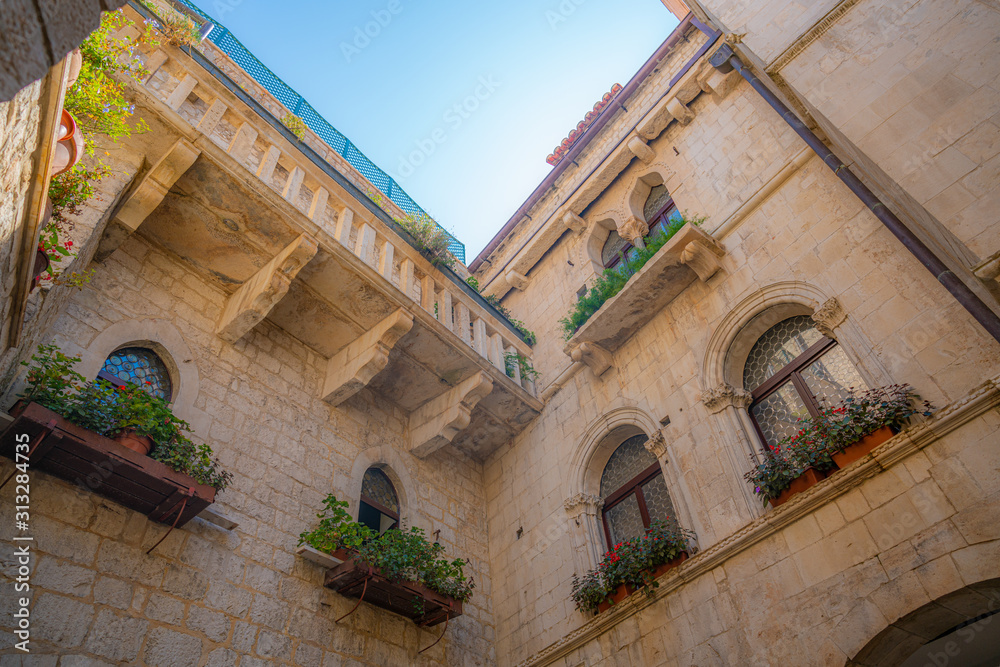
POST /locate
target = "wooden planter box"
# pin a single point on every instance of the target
(862, 447)
(101, 465)
(357, 580)
(624, 590)
(810, 477)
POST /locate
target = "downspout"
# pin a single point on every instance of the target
(725, 60)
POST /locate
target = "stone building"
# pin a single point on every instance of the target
(308, 341)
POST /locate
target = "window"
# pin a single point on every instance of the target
(140, 366)
(634, 491)
(659, 213)
(792, 369)
(379, 509)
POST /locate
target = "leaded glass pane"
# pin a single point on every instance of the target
(140, 366)
(657, 199)
(624, 520)
(777, 348)
(832, 376)
(376, 485)
(612, 247)
(778, 414)
(657, 498)
(630, 459)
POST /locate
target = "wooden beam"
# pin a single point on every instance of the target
(255, 298)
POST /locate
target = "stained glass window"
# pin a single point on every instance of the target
(634, 491)
(379, 509)
(792, 371)
(140, 366)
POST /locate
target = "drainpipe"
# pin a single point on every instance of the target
(725, 60)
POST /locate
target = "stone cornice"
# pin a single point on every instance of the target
(904, 444)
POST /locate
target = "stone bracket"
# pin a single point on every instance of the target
(704, 256)
(351, 369)
(594, 356)
(681, 113)
(641, 149)
(437, 422)
(147, 194)
(516, 280)
(255, 298)
(574, 222)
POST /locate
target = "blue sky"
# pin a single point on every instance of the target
(459, 101)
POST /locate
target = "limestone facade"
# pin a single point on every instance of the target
(303, 374)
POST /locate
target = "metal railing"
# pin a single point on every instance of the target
(232, 47)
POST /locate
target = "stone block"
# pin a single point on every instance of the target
(167, 648)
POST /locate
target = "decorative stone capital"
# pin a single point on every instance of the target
(657, 445)
(633, 229)
(829, 316)
(720, 398)
(583, 502)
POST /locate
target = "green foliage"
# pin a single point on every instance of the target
(832, 431)
(516, 359)
(295, 124)
(611, 281)
(399, 555)
(104, 409)
(631, 562)
(179, 29)
(529, 336)
(430, 237)
(336, 529)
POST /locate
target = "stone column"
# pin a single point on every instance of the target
(586, 533)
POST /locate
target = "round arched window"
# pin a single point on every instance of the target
(379, 508)
(140, 366)
(661, 217)
(634, 492)
(792, 370)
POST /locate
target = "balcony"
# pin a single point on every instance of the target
(286, 229)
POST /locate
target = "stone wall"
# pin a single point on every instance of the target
(215, 595)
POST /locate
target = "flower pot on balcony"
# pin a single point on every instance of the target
(660, 570)
(866, 444)
(617, 596)
(141, 444)
(810, 477)
(69, 145)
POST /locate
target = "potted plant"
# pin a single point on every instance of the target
(632, 565)
(337, 533)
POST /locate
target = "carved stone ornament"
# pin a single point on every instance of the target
(657, 445)
(632, 229)
(582, 502)
(829, 316)
(723, 396)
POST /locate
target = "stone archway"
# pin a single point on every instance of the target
(960, 628)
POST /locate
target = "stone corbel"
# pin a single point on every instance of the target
(436, 423)
(351, 369)
(681, 113)
(657, 445)
(725, 395)
(146, 195)
(633, 229)
(255, 298)
(988, 269)
(583, 503)
(829, 316)
(594, 356)
(719, 84)
(641, 150)
(516, 280)
(704, 256)
(574, 222)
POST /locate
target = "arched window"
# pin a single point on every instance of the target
(379, 509)
(140, 366)
(659, 213)
(634, 492)
(791, 371)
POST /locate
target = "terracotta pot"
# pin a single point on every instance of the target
(862, 447)
(41, 266)
(660, 570)
(620, 594)
(69, 145)
(809, 478)
(137, 443)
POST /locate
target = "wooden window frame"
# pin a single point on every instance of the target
(633, 486)
(661, 215)
(374, 504)
(792, 370)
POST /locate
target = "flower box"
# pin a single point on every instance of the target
(101, 465)
(624, 590)
(863, 446)
(810, 477)
(406, 598)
